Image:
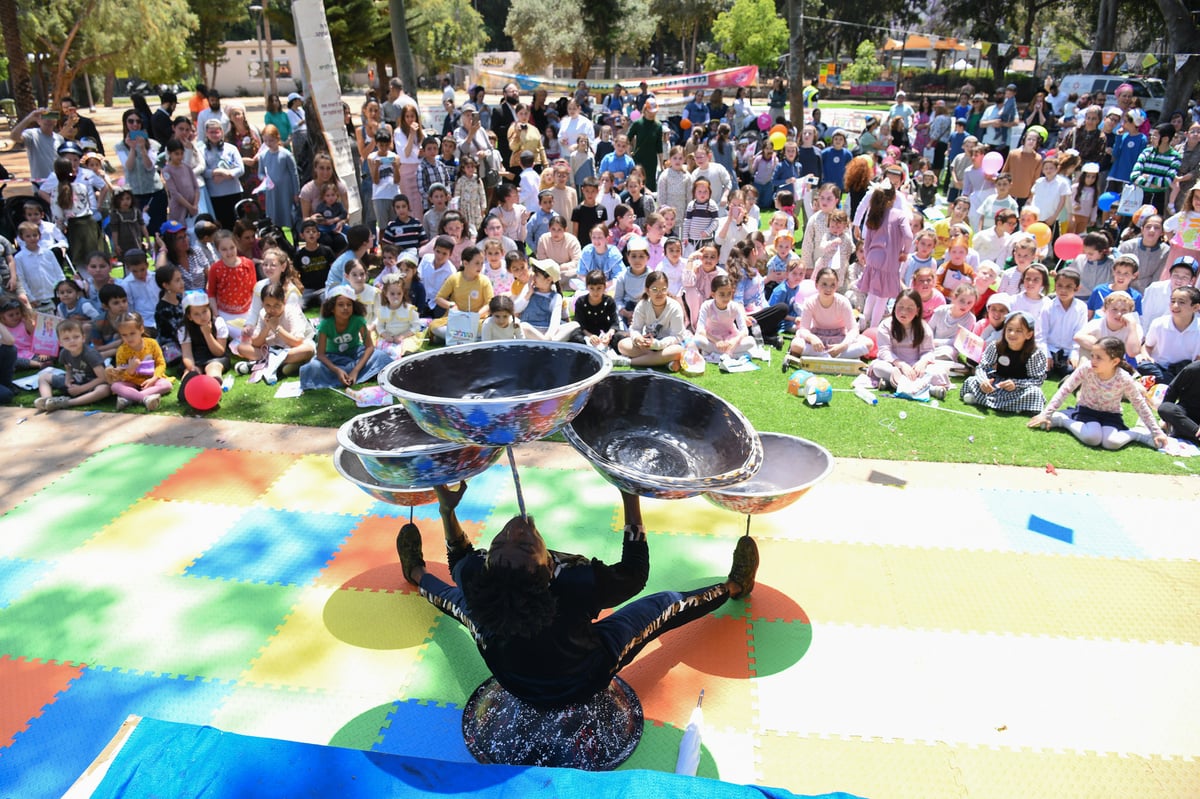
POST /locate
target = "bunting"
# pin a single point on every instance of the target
(1181, 59)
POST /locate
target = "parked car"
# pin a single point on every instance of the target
(1150, 91)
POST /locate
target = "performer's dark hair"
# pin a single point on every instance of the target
(510, 602)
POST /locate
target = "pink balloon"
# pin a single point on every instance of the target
(1068, 246)
(634, 116)
(992, 163)
(806, 289)
(764, 121)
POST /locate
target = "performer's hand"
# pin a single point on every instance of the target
(448, 499)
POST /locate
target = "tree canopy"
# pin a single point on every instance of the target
(559, 31)
(751, 32)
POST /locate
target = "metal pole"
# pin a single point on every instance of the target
(512, 462)
(270, 52)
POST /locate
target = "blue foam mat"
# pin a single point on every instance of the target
(59, 744)
(165, 759)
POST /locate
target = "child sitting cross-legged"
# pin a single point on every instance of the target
(84, 380)
(1010, 376)
(1103, 382)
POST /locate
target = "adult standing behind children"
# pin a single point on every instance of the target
(646, 141)
(36, 132)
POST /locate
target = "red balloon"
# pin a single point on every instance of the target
(1068, 246)
(201, 392)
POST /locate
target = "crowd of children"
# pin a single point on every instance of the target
(1037, 259)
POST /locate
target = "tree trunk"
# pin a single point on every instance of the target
(381, 66)
(610, 62)
(110, 85)
(695, 43)
(795, 10)
(1106, 32)
(18, 67)
(401, 49)
(1182, 37)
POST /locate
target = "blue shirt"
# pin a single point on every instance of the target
(618, 163)
(833, 165)
(538, 224)
(696, 113)
(1096, 300)
(1126, 150)
(783, 295)
(337, 270)
(609, 262)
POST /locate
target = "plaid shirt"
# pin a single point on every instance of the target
(428, 174)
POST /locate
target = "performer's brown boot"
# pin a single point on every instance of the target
(408, 546)
(745, 566)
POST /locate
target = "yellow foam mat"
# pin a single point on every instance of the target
(897, 770)
(385, 632)
(988, 591)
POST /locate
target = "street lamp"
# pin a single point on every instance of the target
(257, 12)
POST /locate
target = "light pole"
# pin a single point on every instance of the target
(257, 10)
(270, 52)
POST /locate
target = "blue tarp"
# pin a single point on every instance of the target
(180, 760)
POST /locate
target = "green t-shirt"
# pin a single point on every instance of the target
(648, 145)
(348, 340)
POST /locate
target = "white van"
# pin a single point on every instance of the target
(1150, 91)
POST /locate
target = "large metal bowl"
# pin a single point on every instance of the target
(790, 467)
(662, 437)
(496, 393)
(351, 468)
(396, 452)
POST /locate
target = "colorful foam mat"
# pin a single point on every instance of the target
(915, 642)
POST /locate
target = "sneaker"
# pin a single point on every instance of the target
(242, 367)
(152, 402)
(40, 403)
(745, 565)
(937, 392)
(620, 360)
(408, 547)
(122, 404)
(970, 399)
(56, 403)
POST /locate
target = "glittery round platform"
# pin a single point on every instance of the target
(593, 736)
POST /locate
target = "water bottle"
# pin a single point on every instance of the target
(866, 396)
(227, 382)
(756, 329)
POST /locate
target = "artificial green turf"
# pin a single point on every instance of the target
(848, 427)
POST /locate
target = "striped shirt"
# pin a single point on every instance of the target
(1155, 170)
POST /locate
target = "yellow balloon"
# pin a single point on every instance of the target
(778, 140)
(1040, 232)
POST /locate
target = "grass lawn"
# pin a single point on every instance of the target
(848, 427)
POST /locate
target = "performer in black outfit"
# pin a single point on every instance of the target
(533, 611)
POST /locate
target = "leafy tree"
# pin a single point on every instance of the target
(541, 31)
(618, 26)
(686, 19)
(1001, 21)
(142, 36)
(446, 32)
(752, 32)
(214, 18)
(866, 66)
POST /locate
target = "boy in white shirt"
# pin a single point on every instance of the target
(1063, 318)
(1173, 341)
(37, 269)
(992, 244)
(530, 182)
(1157, 299)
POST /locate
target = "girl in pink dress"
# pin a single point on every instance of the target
(887, 238)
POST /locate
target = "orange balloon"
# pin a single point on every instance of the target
(685, 123)
(780, 129)
(1041, 233)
